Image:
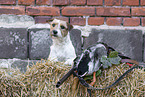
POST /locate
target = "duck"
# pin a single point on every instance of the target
(89, 62)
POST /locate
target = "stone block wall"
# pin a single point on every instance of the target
(34, 43)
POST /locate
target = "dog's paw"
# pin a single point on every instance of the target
(69, 61)
(52, 59)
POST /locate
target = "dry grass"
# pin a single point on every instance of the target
(40, 80)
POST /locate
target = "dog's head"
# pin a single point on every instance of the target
(59, 28)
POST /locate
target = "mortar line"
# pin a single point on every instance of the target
(28, 42)
(103, 3)
(143, 49)
(69, 20)
(140, 22)
(121, 2)
(139, 3)
(130, 12)
(35, 3)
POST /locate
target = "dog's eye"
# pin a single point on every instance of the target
(53, 25)
(62, 27)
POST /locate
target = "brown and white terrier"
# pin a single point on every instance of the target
(62, 49)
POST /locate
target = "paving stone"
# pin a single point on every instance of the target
(39, 43)
(128, 42)
(13, 43)
(76, 39)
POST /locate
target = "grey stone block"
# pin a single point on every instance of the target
(22, 64)
(17, 63)
(128, 42)
(144, 47)
(16, 21)
(39, 43)
(76, 39)
(13, 43)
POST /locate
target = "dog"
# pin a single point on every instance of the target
(62, 49)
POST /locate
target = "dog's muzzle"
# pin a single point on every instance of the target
(54, 33)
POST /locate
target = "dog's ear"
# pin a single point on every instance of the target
(70, 27)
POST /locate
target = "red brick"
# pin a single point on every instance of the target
(138, 11)
(96, 21)
(42, 19)
(130, 2)
(112, 21)
(50, 11)
(61, 18)
(112, 2)
(142, 2)
(43, 2)
(77, 21)
(113, 11)
(131, 21)
(26, 2)
(78, 11)
(60, 2)
(77, 2)
(12, 10)
(47, 19)
(94, 2)
(143, 21)
(7, 1)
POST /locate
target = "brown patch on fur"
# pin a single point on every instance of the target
(70, 27)
(61, 25)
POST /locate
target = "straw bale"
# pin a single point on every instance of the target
(40, 80)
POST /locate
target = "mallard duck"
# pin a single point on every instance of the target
(89, 61)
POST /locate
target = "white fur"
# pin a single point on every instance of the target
(62, 49)
(94, 67)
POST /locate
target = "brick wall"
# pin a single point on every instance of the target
(108, 12)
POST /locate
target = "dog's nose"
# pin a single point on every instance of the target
(54, 32)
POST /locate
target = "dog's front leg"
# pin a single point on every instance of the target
(69, 61)
(52, 57)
